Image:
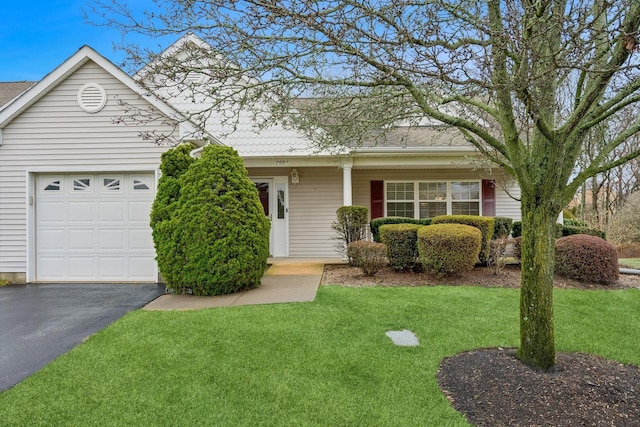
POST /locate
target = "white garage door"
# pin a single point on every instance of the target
(94, 228)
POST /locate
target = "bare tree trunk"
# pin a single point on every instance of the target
(537, 346)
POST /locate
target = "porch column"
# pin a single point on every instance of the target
(347, 198)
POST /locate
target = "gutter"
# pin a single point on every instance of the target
(196, 152)
(414, 150)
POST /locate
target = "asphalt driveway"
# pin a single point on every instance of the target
(40, 322)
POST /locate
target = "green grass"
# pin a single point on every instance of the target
(629, 262)
(326, 363)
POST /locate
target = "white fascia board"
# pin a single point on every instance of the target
(290, 161)
(93, 168)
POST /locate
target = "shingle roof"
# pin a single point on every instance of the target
(9, 90)
(418, 137)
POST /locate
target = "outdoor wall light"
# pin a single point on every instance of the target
(295, 176)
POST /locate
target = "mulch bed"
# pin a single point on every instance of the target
(509, 277)
(491, 387)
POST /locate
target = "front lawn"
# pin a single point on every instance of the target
(326, 363)
(629, 262)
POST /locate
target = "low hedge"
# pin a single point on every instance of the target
(379, 222)
(485, 224)
(401, 241)
(561, 230)
(449, 248)
(569, 230)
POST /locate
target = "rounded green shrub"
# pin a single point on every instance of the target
(401, 241)
(449, 248)
(218, 234)
(587, 258)
(485, 224)
(371, 257)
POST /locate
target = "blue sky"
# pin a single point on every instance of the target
(38, 35)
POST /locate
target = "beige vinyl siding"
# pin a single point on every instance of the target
(313, 204)
(312, 208)
(55, 134)
(505, 205)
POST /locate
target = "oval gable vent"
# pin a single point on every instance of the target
(92, 97)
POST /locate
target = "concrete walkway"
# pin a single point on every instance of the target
(286, 280)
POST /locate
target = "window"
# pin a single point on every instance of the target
(281, 204)
(433, 199)
(111, 184)
(139, 184)
(400, 199)
(427, 199)
(465, 198)
(82, 184)
(55, 185)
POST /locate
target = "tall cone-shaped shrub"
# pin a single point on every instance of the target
(218, 228)
(174, 163)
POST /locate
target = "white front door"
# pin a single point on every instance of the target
(94, 227)
(274, 199)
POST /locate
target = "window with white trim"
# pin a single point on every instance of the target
(400, 199)
(465, 198)
(426, 199)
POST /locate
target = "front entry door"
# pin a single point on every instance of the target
(273, 196)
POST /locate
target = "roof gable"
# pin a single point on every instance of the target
(85, 54)
(249, 130)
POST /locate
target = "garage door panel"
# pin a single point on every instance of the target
(81, 267)
(51, 239)
(138, 266)
(81, 239)
(54, 266)
(113, 267)
(81, 212)
(139, 212)
(93, 227)
(112, 212)
(140, 239)
(51, 212)
(112, 239)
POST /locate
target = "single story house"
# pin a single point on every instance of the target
(77, 179)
